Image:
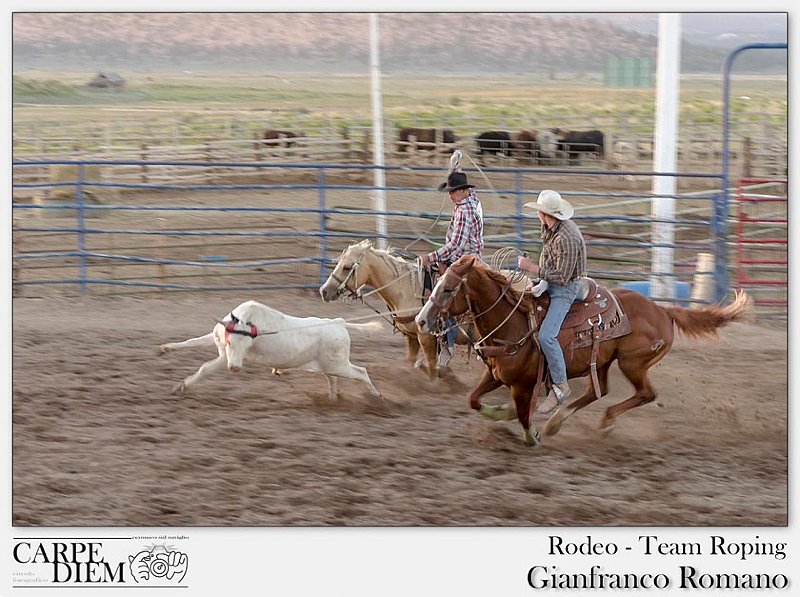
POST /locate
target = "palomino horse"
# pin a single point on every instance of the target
(397, 281)
(635, 332)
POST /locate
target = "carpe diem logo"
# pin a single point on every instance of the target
(108, 561)
(158, 563)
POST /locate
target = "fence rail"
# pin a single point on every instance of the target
(254, 235)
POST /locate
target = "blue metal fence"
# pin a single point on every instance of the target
(615, 254)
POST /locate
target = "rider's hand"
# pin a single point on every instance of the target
(527, 265)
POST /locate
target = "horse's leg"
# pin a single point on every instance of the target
(428, 342)
(636, 372)
(522, 396)
(205, 369)
(413, 355)
(486, 384)
(570, 408)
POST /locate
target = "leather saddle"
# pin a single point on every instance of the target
(596, 312)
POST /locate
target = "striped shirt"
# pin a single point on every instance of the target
(465, 232)
(563, 256)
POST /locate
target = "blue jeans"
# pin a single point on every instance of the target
(451, 331)
(561, 298)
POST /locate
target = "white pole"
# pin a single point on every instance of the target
(379, 195)
(662, 284)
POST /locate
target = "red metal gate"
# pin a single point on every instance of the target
(762, 240)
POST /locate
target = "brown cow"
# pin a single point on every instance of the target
(525, 145)
(276, 138)
(426, 138)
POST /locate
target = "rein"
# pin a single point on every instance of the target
(521, 341)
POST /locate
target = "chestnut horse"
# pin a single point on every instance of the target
(502, 317)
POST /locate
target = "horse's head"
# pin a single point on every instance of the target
(449, 296)
(345, 276)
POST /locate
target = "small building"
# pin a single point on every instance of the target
(107, 81)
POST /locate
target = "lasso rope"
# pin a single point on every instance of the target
(499, 259)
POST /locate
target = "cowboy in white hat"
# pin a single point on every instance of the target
(464, 236)
(562, 263)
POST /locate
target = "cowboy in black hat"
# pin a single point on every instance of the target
(464, 234)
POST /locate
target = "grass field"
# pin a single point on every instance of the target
(63, 95)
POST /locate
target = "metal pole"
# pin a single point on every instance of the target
(721, 205)
(81, 228)
(323, 227)
(662, 283)
(379, 194)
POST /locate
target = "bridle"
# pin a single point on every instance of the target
(454, 291)
(342, 284)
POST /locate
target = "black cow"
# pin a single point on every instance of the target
(426, 138)
(574, 143)
(494, 142)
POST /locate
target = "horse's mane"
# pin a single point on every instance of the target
(511, 295)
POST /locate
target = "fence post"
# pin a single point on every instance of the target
(81, 232)
(160, 268)
(15, 243)
(518, 203)
(144, 159)
(323, 217)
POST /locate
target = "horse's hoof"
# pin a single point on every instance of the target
(607, 426)
(498, 413)
(554, 423)
(531, 439)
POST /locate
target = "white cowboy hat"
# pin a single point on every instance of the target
(550, 202)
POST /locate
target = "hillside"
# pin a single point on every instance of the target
(534, 43)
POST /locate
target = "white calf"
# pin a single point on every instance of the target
(279, 341)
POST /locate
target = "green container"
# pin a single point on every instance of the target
(627, 72)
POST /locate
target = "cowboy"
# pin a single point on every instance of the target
(562, 263)
(464, 236)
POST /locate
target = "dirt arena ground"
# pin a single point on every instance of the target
(99, 440)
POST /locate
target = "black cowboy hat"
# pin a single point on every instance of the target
(455, 181)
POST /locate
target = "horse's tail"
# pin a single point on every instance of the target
(707, 320)
(372, 326)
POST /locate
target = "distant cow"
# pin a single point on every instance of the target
(623, 158)
(426, 138)
(495, 143)
(547, 146)
(574, 143)
(276, 138)
(525, 144)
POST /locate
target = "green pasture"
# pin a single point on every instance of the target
(65, 96)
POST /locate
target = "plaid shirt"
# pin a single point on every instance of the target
(563, 256)
(465, 232)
